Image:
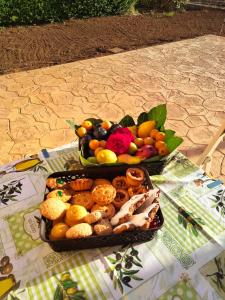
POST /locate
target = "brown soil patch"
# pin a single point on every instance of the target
(31, 47)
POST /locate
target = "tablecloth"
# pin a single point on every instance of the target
(186, 259)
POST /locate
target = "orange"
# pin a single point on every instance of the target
(106, 125)
(160, 144)
(93, 144)
(153, 133)
(139, 142)
(81, 131)
(102, 144)
(87, 124)
(149, 140)
(160, 136)
(58, 231)
(97, 150)
(163, 151)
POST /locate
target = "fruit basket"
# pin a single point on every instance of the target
(96, 241)
(145, 142)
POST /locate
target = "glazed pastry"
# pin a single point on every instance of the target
(63, 195)
(120, 182)
(139, 220)
(136, 190)
(81, 184)
(103, 227)
(152, 215)
(151, 196)
(58, 231)
(100, 181)
(121, 198)
(83, 199)
(108, 210)
(54, 183)
(79, 231)
(104, 194)
(135, 176)
(93, 217)
(128, 209)
(75, 214)
(52, 208)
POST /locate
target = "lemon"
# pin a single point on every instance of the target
(106, 156)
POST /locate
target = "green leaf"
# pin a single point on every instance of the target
(194, 231)
(143, 117)
(131, 272)
(120, 286)
(112, 260)
(180, 219)
(169, 133)
(173, 142)
(72, 125)
(158, 114)
(136, 277)
(69, 284)
(127, 121)
(136, 263)
(154, 158)
(58, 293)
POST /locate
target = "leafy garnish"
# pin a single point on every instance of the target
(173, 142)
(127, 121)
(158, 114)
(143, 117)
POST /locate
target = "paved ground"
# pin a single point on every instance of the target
(189, 76)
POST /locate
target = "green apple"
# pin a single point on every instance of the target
(132, 148)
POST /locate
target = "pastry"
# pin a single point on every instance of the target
(81, 184)
(103, 227)
(135, 176)
(58, 231)
(108, 210)
(79, 231)
(63, 195)
(120, 182)
(128, 209)
(52, 208)
(54, 183)
(103, 194)
(136, 190)
(75, 214)
(83, 199)
(93, 217)
(139, 220)
(100, 181)
(121, 198)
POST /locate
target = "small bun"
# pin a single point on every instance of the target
(52, 208)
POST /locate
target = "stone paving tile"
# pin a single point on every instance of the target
(188, 75)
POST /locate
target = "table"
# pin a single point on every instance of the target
(185, 261)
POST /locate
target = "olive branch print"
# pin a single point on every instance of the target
(68, 289)
(126, 265)
(219, 202)
(189, 221)
(10, 191)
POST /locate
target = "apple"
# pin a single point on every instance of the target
(146, 151)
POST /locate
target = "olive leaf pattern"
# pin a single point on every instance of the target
(219, 202)
(10, 191)
(68, 289)
(189, 221)
(126, 265)
(39, 167)
(218, 276)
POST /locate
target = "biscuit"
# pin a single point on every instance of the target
(54, 183)
(100, 181)
(83, 199)
(136, 190)
(79, 231)
(123, 227)
(135, 176)
(120, 182)
(75, 214)
(108, 210)
(93, 217)
(121, 198)
(104, 194)
(63, 195)
(103, 227)
(58, 231)
(52, 208)
(81, 184)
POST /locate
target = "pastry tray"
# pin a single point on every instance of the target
(95, 241)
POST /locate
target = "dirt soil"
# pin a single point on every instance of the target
(31, 47)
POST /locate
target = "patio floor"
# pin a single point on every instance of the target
(188, 75)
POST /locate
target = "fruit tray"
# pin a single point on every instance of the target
(134, 236)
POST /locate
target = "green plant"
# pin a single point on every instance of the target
(39, 11)
(163, 5)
